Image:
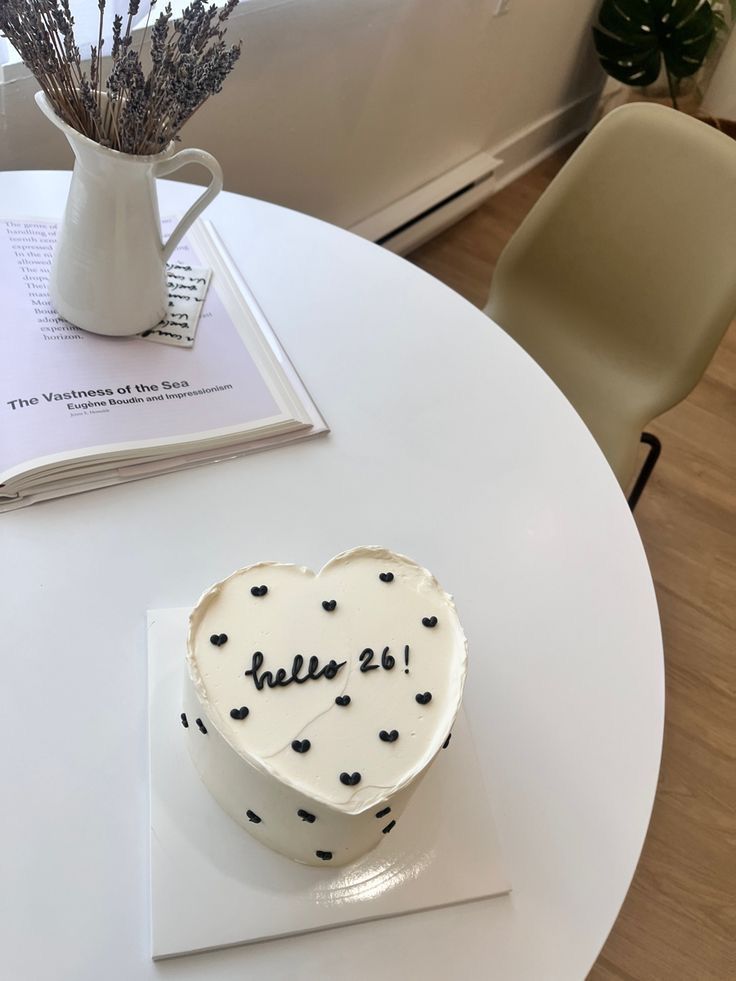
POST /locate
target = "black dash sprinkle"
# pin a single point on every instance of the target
(306, 816)
(384, 812)
(329, 605)
(240, 713)
(253, 817)
(446, 743)
(350, 779)
(386, 576)
(183, 718)
(325, 856)
(258, 590)
(429, 621)
(388, 737)
(301, 745)
(342, 700)
(424, 698)
(388, 827)
(218, 639)
(200, 726)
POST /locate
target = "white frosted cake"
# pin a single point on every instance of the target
(314, 704)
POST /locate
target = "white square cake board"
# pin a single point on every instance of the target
(213, 885)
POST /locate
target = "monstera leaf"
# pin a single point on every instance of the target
(634, 36)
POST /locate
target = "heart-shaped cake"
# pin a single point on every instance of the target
(313, 704)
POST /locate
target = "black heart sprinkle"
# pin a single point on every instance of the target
(424, 698)
(342, 700)
(329, 605)
(240, 713)
(350, 779)
(218, 639)
(446, 743)
(429, 621)
(384, 812)
(301, 745)
(259, 590)
(253, 817)
(386, 576)
(183, 718)
(388, 737)
(388, 827)
(306, 816)
(325, 856)
(200, 726)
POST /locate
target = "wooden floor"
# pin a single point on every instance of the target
(678, 922)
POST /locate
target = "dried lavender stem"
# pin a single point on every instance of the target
(148, 95)
(98, 80)
(151, 5)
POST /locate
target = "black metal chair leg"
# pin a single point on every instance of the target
(655, 448)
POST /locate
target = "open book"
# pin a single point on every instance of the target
(80, 411)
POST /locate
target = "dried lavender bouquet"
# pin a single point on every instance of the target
(145, 100)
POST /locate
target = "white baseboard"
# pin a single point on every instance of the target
(423, 213)
(534, 143)
(404, 224)
(405, 240)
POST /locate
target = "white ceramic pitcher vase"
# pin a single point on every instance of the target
(108, 274)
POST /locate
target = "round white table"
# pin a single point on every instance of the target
(449, 444)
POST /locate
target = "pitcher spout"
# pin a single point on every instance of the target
(88, 151)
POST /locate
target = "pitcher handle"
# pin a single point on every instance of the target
(168, 166)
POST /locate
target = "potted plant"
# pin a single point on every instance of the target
(108, 273)
(638, 40)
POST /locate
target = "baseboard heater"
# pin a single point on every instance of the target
(407, 223)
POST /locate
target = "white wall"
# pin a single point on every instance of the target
(339, 107)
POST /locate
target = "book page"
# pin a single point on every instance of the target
(63, 390)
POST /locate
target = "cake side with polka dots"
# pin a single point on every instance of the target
(314, 703)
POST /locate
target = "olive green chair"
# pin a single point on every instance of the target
(621, 281)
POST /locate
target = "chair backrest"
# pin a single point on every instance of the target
(621, 281)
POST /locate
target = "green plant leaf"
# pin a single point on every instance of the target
(684, 52)
(681, 9)
(624, 24)
(632, 64)
(634, 36)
